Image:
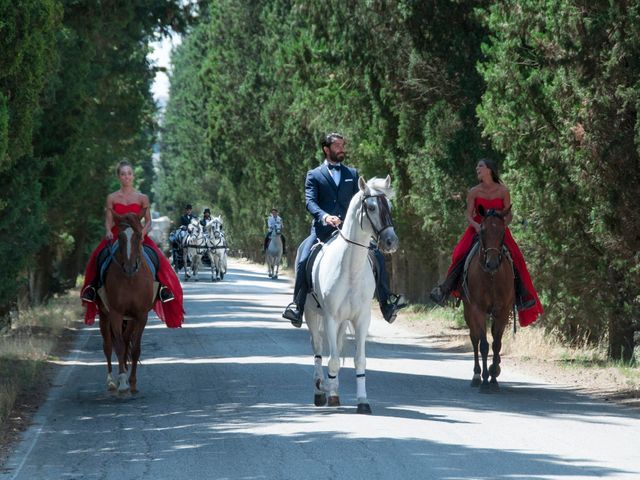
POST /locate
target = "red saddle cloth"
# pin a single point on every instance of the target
(171, 313)
(525, 317)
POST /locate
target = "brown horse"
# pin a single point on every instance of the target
(488, 290)
(129, 294)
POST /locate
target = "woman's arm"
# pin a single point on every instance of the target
(147, 214)
(506, 199)
(471, 197)
(108, 218)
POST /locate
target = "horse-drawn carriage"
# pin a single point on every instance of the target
(194, 244)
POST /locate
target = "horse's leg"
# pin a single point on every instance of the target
(331, 384)
(484, 351)
(470, 318)
(136, 343)
(497, 330)
(313, 323)
(118, 343)
(360, 361)
(105, 331)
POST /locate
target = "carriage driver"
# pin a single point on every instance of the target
(206, 217)
(185, 219)
(328, 191)
(273, 220)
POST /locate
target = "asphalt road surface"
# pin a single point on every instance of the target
(230, 396)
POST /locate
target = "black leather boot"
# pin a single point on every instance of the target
(440, 294)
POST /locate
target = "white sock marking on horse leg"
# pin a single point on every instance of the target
(361, 386)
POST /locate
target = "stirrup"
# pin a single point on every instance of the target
(165, 295)
(294, 315)
(398, 301)
(89, 294)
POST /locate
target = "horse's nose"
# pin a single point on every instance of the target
(388, 241)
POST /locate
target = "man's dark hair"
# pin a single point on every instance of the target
(329, 138)
(188, 207)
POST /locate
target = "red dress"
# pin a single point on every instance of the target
(172, 313)
(525, 317)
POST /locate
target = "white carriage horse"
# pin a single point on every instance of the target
(216, 248)
(194, 245)
(343, 287)
(273, 254)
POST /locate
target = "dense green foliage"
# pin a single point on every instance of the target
(422, 90)
(74, 100)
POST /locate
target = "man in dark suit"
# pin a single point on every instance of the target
(328, 192)
(188, 215)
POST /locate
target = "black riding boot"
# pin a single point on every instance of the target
(440, 294)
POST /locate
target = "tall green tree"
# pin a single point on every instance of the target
(561, 104)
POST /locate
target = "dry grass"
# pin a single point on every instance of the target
(34, 337)
(584, 367)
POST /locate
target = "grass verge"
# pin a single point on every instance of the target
(36, 336)
(539, 352)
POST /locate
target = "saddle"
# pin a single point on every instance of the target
(106, 255)
(467, 262)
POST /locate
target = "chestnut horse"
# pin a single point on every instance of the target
(488, 290)
(124, 305)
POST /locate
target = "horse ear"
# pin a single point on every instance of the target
(387, 181)
(143, 212)
(362, 184)
(481, 210)
(116, 218)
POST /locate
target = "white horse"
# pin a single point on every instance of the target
(216, 248)
(343, 287)
(273, 254)
(194, 246)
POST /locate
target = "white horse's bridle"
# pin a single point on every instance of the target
(385, 218)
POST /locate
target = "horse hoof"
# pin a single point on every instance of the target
(111, 387)
(334, 401)
(476, 382)
(319, 399)
(364, 408)
(485, 388)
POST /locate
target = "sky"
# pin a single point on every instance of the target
(161, 56)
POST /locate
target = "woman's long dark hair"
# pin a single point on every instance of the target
(493, 166)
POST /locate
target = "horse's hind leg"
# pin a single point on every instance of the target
(320, 396)
(331, 384)
(136, 343)
(360, 362)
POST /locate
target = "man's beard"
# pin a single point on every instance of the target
(333, 156)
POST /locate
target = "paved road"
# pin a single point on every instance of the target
(229, 396)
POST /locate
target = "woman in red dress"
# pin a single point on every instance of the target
(168, 305)
(490, 193)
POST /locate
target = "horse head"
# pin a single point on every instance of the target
(492, 231)
(129, 254)
(375, 207)
(215, 226)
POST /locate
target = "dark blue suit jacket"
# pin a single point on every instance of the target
(324, 197)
